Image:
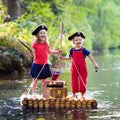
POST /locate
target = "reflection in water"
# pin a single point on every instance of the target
(79, 115)
(56, 114)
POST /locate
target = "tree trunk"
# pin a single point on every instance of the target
(13, 8)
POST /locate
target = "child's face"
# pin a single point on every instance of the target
(78, 41)
(42, 35)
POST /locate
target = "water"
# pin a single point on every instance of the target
(103, 86)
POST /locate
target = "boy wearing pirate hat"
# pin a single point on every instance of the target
(77, 55)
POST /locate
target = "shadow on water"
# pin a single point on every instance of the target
(103, 86)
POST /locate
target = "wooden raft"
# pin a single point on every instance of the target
(54, 95)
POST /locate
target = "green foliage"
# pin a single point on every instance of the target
(106, 25)
(7, 34)
(2, 9)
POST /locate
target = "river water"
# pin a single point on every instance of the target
(104, 86)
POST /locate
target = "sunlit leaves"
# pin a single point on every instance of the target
(105, 25)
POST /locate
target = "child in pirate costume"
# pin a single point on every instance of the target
(40, 48)
(78, 67)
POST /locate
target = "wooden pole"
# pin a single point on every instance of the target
(61, 39)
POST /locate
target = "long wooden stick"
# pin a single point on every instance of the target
(26, 46)
(60, 49)
(55, 44)
(61, 39)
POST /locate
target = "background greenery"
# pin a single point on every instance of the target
(97, 19)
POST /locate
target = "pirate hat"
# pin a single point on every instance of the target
(37, 29)
(76, 34)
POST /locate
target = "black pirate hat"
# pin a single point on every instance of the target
(37, 29)
(76, 34)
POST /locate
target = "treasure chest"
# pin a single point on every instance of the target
(54, 89)
(54, 93)
(58, 92)
(58, 83)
